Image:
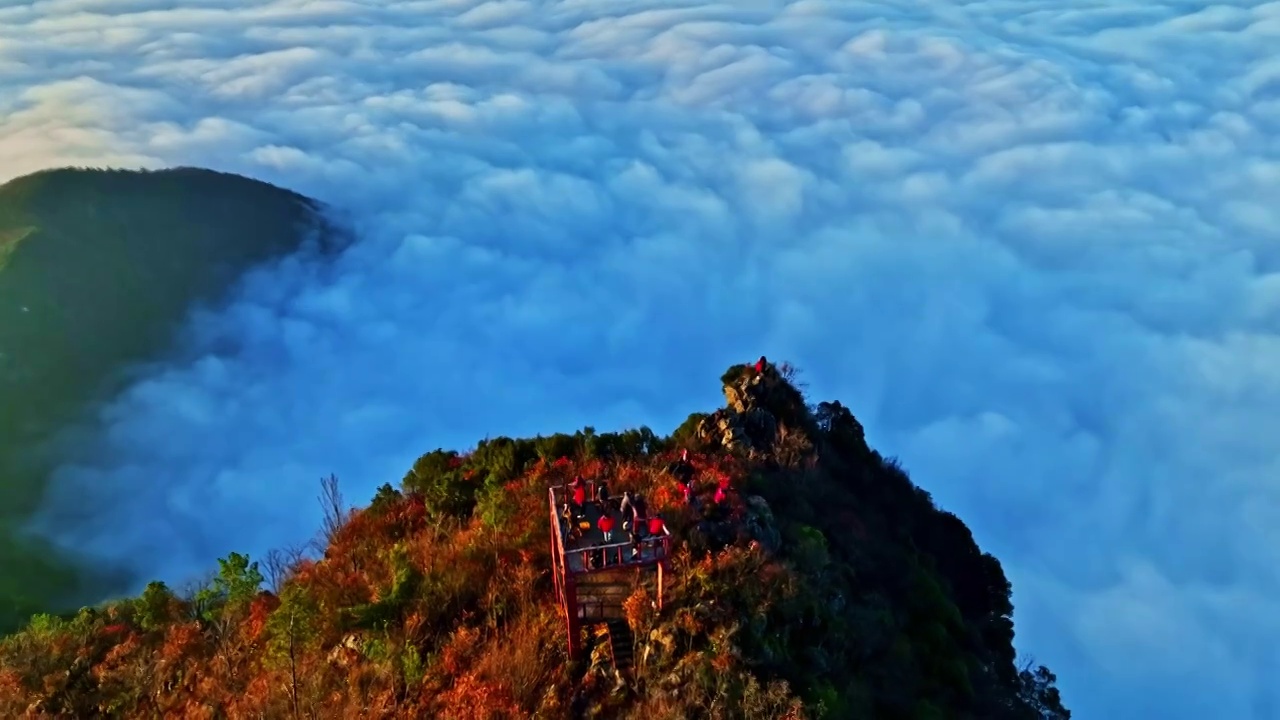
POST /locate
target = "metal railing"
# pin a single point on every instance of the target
(610, 555)
(623, 554)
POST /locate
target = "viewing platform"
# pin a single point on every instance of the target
(594, 576)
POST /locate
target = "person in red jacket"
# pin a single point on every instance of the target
(579, 497)
(656, 527)
(761, 364)
(572, 486)
(606, 527)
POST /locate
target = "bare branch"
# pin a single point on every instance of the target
(791, 374)
(335, 513)
(281, 564)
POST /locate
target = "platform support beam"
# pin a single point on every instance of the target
(571, 615)
(660, 574)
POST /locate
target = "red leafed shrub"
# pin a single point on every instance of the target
(10, 684)
(458, 654)
(180, 642)
(117, 657)
(594, 469)
(471, 698)
(259, 611)
(666, 496)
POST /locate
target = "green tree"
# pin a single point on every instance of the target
(439, 478)
(155, 607)
(292, 629)
(234, 586)
(687, 434)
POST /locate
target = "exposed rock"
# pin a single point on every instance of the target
(717, 429)
(836, 420)
(347, 651)
(750, 389)
(750, 432)
(760, 523)
(662, 640)
(749, 423)
(760, 425)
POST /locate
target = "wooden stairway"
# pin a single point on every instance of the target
(621, 644)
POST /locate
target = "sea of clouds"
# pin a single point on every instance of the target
(1035, 246)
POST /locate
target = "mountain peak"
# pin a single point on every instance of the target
(800, 574)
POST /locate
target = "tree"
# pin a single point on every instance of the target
(1038, 691)
(687, 434)
(281, 565)
(155, 607)
(292, 628)
(439, 479)
(233, 587)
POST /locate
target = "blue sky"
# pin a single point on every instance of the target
(1035, 247)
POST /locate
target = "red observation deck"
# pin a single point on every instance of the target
(595, 575)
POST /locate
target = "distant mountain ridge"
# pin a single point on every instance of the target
(98, 268)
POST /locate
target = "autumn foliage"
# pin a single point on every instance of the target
(833, 589)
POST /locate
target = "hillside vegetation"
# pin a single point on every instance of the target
(97, 270)
(827, 585)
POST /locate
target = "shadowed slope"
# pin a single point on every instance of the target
(97, 270)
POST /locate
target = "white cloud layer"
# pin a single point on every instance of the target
(1035, 248)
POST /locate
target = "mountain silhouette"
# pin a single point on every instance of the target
(98, 269)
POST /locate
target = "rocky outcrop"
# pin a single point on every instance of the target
(757, 404)
(841, 427)
(754, 524)
(751, 389)
(760, 525)
(747, 423)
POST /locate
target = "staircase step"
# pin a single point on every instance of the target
(621, 644)
(594, 579)
(606, 596)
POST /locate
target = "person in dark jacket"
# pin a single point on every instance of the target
(639, 507)
(682, 470)
(626, 511)
(639, 524)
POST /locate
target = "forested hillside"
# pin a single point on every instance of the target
(97, 270)
(823, 583)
